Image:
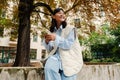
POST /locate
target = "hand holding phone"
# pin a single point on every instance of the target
(50, 37)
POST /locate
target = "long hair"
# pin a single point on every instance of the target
(54, 22)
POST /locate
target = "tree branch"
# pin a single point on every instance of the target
(74, 5)
(44, 5)
(41, 12)
(42, 22)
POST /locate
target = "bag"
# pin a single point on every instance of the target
(43, 61)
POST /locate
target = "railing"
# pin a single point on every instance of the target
(9, 53)
(5, 53)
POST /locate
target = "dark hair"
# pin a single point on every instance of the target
(54, 22)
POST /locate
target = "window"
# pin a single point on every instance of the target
(7, 53)
(44, 53)
(35, 37)
(33, 53)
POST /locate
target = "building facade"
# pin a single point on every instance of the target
(8, 48)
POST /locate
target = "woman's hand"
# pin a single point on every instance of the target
(50, 37)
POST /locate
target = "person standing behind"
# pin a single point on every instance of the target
(65, 56)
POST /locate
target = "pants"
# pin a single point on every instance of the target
(53, 71)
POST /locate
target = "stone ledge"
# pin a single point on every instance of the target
(88, 72)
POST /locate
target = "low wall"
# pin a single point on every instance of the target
(88, 72)
(21, 73)
(100, 72)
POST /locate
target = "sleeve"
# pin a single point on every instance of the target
(65, 43)
(48, 46)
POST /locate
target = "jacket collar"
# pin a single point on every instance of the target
(60, 28)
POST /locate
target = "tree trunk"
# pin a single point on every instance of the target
(23, 46)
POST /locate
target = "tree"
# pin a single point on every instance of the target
(116, 43)
(23, 47)
(25, 9)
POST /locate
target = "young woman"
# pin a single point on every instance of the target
(65, 59)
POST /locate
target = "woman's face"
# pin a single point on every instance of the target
(59, 16)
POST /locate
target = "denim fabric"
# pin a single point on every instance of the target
(53, 72)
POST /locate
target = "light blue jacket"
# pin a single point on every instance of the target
(68, 50)
(60, 42)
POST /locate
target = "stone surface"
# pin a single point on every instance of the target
(21, 73)
(88, 72)
(100, 72)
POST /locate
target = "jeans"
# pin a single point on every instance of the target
(53, 71)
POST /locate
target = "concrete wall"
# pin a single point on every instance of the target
(21, 73)
(88, 72)
(100, 72)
